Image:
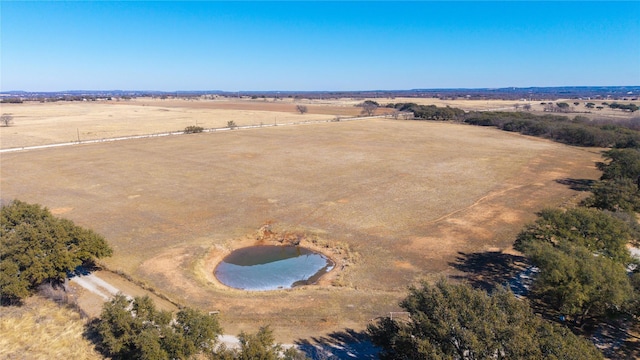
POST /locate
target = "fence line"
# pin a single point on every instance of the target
(147, 136)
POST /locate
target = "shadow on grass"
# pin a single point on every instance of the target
(486, 270)
(577, 184)
(347, 344)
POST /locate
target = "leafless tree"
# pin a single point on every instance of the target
(369, 108)
(6, 119)
(527, 107)
(302, 108)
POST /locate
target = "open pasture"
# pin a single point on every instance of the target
(413, 199)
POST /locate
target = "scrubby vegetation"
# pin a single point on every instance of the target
(577, 131)
(580, 131)
(192, 129)
(430, 112)
(37, 247)
(135, 329)
(455, 321)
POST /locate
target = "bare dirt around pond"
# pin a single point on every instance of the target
(406, 197)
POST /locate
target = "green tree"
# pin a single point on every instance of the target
(578, 284)
(136, 329)
(582, 256)
(259, 345)
(615, 195)
(455, 321)
(623, 164)
(197, 331)
(35, 247)
(597, 231)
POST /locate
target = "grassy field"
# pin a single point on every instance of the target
(49, 123)
(413, 200)
(41, 329)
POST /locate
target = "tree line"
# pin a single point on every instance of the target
(578, 131)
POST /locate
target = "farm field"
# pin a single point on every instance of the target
(411, 199)
(37, 124)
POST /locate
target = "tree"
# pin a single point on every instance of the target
(35, 247)
(6, 119)
(369, 107)
(231, 124)
(259, 345)
(578, 284)
(597, 231)
(302, 109)
(134, 328)
(582, 257)
(527, 107)
(448, 321)
(615, 195)
(623, 164)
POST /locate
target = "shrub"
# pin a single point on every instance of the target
(193, 129)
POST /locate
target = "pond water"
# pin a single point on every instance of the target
(272, 267)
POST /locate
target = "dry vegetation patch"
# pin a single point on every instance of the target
(41, 329)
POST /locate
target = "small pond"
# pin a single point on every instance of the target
(272, 267)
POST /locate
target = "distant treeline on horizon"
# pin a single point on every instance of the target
(510, 93)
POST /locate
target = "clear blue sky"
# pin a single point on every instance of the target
(235, 46)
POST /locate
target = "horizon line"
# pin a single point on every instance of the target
(324, 91)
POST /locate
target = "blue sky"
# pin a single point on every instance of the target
(306, 46)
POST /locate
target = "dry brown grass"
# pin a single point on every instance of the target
(405, 196)
(41, 329)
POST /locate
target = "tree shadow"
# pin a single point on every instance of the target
(577, 184)
(347, 344)
(487, 270)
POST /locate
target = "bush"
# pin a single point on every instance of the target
(135, 329)
(449, 321)
(193, 129)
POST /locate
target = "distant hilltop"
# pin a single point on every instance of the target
(514, 93)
